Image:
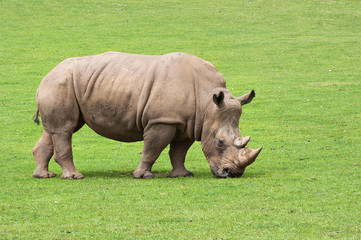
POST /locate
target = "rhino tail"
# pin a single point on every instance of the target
(36, 117)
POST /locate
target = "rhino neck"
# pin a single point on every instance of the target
(203, 103)
(206, 80)
(206, 126)
(198, 122)
(207, 138)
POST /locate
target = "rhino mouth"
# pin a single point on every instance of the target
(217, 173)
(235, 175)
(225, 172)
(231, 169)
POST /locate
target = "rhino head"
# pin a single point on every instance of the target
(222, 142)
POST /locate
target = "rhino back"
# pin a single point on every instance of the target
(120, 94)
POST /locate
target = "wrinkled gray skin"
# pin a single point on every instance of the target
(171, 99)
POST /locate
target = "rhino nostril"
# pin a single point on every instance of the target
(226, 171)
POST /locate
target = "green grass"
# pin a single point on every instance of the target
(303, 59)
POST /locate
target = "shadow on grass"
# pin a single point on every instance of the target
(108, 174)
(128, 174)
(157, 174)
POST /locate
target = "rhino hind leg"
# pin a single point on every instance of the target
(156, 138)
(177, 153)
(56, 142)
(43, 151)
(63, 155)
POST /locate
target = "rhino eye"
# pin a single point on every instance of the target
(220, 143)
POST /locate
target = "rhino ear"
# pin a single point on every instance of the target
(218, 98)
(247, 98)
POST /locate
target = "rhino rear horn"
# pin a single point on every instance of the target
(241, 142)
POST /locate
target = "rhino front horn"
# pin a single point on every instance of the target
(248, 155)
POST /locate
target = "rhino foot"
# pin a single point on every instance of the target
(43, 174)
(182, 173)
(73, 175)
(143, 174)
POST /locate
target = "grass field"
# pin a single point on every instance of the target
(303, 58)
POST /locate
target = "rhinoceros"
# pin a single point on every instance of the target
(175, 99)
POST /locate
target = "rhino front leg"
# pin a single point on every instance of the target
(63, 155)
(156, 138)
(177, 153)
(43, 151)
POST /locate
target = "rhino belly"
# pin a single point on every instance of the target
(112, 110)
(112, 121)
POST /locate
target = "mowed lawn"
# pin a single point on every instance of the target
(303, 58)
